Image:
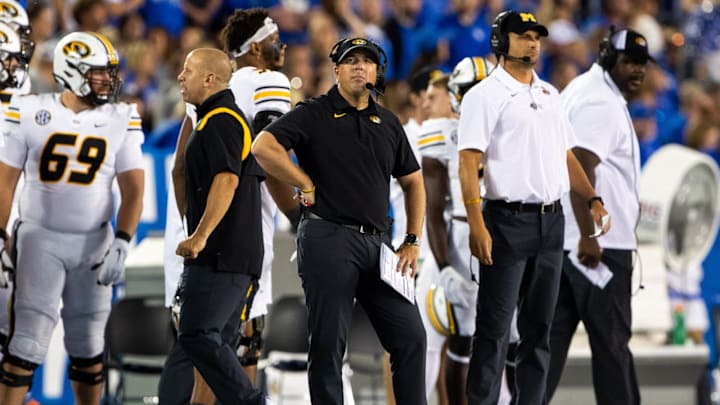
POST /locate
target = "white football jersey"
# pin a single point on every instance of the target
(438, 140)
(70, 160)
(5, 96)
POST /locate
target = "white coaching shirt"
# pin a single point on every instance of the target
(598, 112)
(524, 133)
(69, 159)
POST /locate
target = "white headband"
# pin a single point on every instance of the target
(269, 27)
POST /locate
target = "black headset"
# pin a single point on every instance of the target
(608, 54)
(382, 63)
(499, 41)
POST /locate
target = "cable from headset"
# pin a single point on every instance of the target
(637, 259)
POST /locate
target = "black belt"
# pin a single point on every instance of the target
(364, 229)
(554, 206)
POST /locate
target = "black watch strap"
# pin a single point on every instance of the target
(596, 198)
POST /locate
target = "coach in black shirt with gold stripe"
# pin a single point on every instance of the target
(348, 147)
(224, 251)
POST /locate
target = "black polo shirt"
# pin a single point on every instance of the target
(349, 155)
(218, 143)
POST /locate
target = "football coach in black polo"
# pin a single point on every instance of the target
(347, 148)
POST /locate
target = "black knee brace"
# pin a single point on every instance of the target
(253, 344)
(9, 379)
(85, 377)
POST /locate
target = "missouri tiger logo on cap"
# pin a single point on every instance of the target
(359, 41)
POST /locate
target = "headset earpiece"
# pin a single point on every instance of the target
(608, 54)
(499, 41)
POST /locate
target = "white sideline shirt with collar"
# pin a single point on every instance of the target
(524, 133)
(598, 112)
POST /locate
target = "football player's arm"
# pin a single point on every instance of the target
(132, 186)
(435, 176)
(9, 177)
(220, 196)
(178, 170)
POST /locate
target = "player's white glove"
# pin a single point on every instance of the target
(458, 290)
(7, 267)
(111, 268)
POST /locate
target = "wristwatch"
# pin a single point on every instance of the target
(411, 239)
(593, 199)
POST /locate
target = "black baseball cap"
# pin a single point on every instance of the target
(347, 45)
(419, 81)
(519, 23)
(633, 44)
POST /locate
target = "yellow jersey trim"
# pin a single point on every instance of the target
(247, 138)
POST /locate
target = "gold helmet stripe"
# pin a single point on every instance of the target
(108, 47)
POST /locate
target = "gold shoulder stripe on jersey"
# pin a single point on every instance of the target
(431, 139)
(336, 115)
(134, 123)
(279, 93)
(247, 138)
(12, 114)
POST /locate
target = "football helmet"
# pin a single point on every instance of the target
(468, 72)
(13, 14)
(77, 56)
(441, 312)
(11, 48)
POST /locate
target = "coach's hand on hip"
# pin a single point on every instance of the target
(191, 247)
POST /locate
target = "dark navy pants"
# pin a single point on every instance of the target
(212, 303)
(607, 317)
(527, 250)
(337, 265)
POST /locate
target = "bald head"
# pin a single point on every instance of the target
(212, 60)
(206, 72)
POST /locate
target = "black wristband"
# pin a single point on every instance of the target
(3, 234)
(596, 198)
(123, 235)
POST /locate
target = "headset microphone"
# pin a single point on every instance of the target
(371, 86)
(523, 59)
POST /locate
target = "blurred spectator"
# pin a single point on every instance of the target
(462, 33)
(563, 71)
(165, 14)
(643, 21)
(42, 20)
(201, 12)
(131, 28)
(90, 15)
(706, 138)
(41, 74)
(406, 36)
(114, 9)
(643, 117)
(292, 17)
(140, 82)
(299, 69)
